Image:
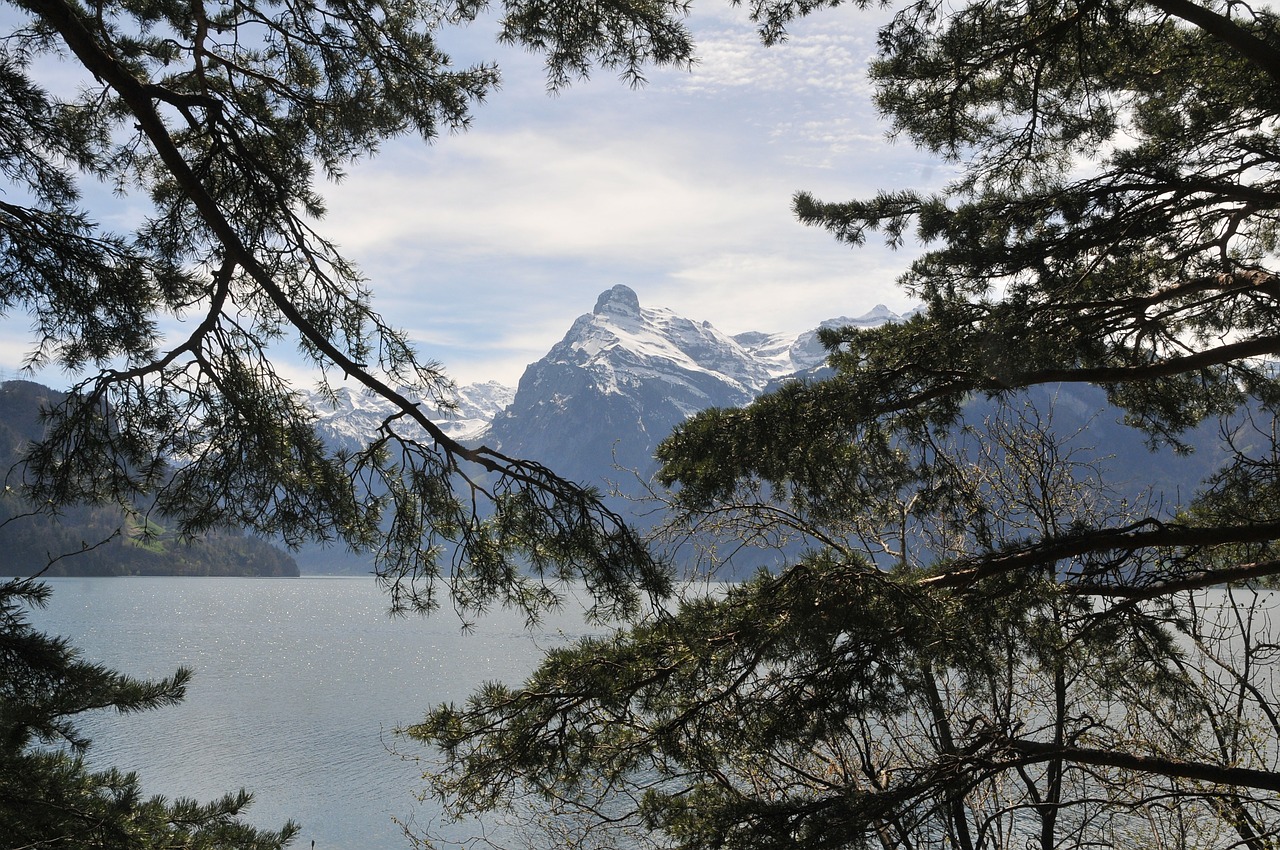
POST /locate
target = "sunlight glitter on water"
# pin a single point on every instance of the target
(299, 684)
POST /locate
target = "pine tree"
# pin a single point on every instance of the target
(990, 641)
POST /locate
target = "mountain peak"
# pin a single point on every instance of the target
(621, 300)
(621, 378)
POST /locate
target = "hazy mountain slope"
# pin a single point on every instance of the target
(98, 539)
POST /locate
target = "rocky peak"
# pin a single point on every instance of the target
(624, 375)
(619, 301)
(621, 378)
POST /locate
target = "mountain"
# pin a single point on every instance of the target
(788, 354)
(595, 407)
(597, 404)
(624, 375)
(353, 415)
(621, 378)
(100, 540)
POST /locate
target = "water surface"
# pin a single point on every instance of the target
(298, 686)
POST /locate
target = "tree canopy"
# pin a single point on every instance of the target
(218, 121)
(990, 641)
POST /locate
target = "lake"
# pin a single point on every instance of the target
(298, 686)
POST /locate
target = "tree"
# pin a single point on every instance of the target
(217, 118)
(49, 797)
(220, 117)
(990, 641)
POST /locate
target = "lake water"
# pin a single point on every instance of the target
(298, 686)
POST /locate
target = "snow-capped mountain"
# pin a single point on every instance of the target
(356, 414)
(788, 354)
(625, 375)
(605, 395)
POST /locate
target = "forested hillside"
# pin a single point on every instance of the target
(102, 540)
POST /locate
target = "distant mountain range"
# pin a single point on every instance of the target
(358, 414)
(625, 375)
(595, 407)
(617, 383)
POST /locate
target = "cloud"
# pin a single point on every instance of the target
(490, 243)
(823, 56)
(788, 290)
(828, 64)
(538, 194)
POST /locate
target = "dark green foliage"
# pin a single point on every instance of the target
(49, 797)
(217, 121)
(992, 641)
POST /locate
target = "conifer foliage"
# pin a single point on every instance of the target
(215, 121)
(989, 642)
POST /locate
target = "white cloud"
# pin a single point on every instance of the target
(489, 244)
(825, 56)
(539, 195)
(789, 290)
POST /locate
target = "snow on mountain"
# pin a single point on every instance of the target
(621, 378)
(621, 345)
(625, 375)
(357, 414)
(788, 354)
(477, 405)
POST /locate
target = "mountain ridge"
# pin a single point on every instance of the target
(596, 405)
(610, 389)
(625, 375)
(104, 540)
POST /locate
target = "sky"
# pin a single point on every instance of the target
(485, 245)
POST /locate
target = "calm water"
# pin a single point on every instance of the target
(299, 684)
